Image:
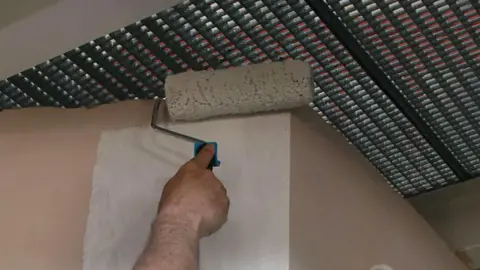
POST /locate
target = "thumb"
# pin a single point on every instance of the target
(205, 156)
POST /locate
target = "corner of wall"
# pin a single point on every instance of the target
(343, 215)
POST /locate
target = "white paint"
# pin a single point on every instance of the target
(133, 164)
(301, 199)
(65, 25)
(123, 200)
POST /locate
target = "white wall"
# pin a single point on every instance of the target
(39, 30)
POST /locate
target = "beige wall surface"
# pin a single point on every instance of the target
(342, 216)
(345, 216)
(43, 29)
(46, 163)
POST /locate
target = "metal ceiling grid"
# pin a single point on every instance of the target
(430, 50)
(134, 61)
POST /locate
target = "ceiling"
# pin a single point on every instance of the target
(400, 79)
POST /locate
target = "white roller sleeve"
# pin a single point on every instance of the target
(242, 90)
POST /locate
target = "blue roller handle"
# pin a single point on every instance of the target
(214, 162)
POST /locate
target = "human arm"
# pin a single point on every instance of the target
(194, 204)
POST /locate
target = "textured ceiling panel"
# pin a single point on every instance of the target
(134, 61)
(430, 50)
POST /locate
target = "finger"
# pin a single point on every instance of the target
(205, 156)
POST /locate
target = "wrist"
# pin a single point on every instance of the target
(173, 244)
(188, 223)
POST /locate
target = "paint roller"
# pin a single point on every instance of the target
(265, 87)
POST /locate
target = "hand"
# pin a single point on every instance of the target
(196, 195)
